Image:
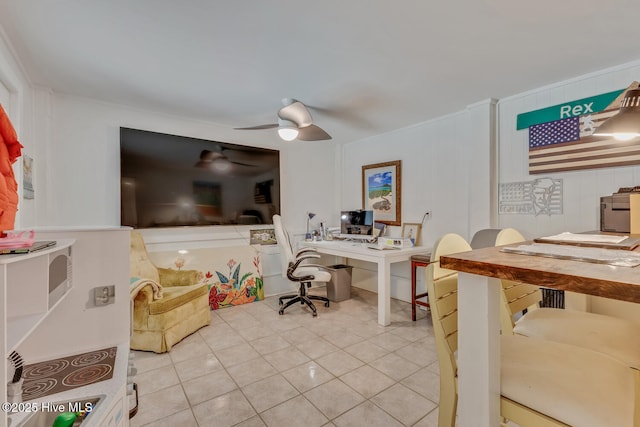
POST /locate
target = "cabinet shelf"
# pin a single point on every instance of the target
(35, 283)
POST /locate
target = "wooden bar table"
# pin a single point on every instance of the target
(479, 290)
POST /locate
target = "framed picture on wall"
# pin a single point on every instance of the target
(381, 191)
(412, 230)
(266, 236)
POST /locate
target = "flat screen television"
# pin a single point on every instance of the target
(170, 181)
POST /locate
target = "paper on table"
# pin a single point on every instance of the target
(617, 257)
(598, 238)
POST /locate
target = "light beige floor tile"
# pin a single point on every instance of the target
(251, 371)
(339, 362)
(183, 419)
(237, 354)
(254, 421)
(286, 358)
(256, 332)
(159, 405)
(295, 412)
(208, 386)
(342, 339)
(226, 410)
(307, 376)
(425, 382)
(403, 404)
(366, 415)
(158, 379)
(221, 341)
(317, 348)
(395, 366)
(269, 344)
(334, 398)
(299, 335)
(430, 420)
(410, 330)
(193, 345)
(269, 392)
(389, 341)
(366, 351)
(197, 366)
(367, 381)
(419, 352)
(147, 360)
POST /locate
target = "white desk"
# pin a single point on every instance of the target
(383, 259)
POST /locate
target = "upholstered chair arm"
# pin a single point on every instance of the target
(144, 295)
(171, 277)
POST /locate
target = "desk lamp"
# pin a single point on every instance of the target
(310, 215)
(625, 125)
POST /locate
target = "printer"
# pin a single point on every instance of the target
(615, 210)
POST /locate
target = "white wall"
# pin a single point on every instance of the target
(582, 189)
(446, 169)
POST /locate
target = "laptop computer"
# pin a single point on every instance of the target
(38, 245)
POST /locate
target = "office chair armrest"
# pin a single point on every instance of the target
(305, 250)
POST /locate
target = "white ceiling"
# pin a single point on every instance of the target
(367, 66)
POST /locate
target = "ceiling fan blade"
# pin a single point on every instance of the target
(295, 112)
(243, 164)
(312, 133)
(269, 126)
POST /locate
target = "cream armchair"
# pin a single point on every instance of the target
(168, 305)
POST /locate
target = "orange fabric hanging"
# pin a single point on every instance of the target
(10, 150)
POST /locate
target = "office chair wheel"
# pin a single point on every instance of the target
(326, 304)
(281, 311)
(315, 314)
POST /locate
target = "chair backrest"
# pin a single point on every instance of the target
(516, 296)
(485, 238)
(140, 265)
(442, 288)
(284, 244)
(448, 244)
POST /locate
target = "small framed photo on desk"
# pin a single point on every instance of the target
(412, 230)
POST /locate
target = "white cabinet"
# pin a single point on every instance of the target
(33, 285)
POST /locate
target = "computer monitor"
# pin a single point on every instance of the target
(356, 224)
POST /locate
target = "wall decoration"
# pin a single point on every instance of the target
(542, 196)
(412, 230)
(381, 191)
(264, 236)
(233, 274)
(27, 177)
(567, 143)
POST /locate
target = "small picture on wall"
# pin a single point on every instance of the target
(27, 177)
(266, 236)
(412, 231)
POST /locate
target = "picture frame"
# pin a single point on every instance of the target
(263, 236)
(412, 230)
(382, 191)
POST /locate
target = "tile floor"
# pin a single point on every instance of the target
(253, 367)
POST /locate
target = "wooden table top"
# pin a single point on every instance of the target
(620, 283)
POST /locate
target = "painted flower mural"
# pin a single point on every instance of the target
(235, 287)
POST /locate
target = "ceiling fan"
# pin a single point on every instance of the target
(294, 122)
(217, 160)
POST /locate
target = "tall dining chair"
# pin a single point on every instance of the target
(619, 338)
(543, 383)
(295, 268)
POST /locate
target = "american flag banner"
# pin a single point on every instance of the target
(569, 144)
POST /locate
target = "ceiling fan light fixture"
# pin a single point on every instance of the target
(221, 165)
(625, 125)
(287, 130)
